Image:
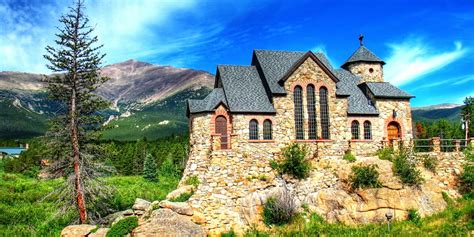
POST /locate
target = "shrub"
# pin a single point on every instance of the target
(279, 209)
(192, 180)
(413, 216)
(364, 177)
(349, 156)
(182, 198)
(123, 227)
(385, 153)
(149, 168)
(405, 169)
(430, 162)
(294, 162)
(466, 180)
(230, 233)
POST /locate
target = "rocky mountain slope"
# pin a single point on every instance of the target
(450, 112)
(133, 87)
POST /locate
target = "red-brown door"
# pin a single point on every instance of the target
(221, 128)
(393, 131)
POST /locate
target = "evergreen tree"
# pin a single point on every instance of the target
(467, 114)
(75, 62)
(149, 168)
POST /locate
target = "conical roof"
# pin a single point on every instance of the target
(362, 54)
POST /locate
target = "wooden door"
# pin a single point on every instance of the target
(393, 131)
(221, 128)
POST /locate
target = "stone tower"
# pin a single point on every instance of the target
(365, 64)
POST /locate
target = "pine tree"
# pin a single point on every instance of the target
(149, 168)
(467, 114)
(75, 62)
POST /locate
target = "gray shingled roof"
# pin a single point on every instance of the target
(244, 89)
(362, 54)
(358, 103)
(208, 104)
(387, 90)
(275, 64)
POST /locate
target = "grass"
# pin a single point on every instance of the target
(22, 214)
(456, 220)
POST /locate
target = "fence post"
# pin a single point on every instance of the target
(436, 142)
(457, 145)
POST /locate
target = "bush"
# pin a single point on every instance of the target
(192, 180)
(466, 180)
(349, 156)
(279, 209)
(149, 168)
(413, 216)
(294, 163)
(405, 169)
(385, 153)
(123, 227)
(364, 177)
(430, 162)
(182, 198)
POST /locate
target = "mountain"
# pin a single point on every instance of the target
(137, 91)
(450, 112)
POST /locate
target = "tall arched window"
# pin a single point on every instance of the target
(253, 130)
(355, 130)
(298, 100)
(367, 130)
(267, 130)
(310, 97)
(323, 103)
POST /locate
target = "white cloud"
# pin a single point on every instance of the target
(321, 48)
(413, 59)
(452, 81)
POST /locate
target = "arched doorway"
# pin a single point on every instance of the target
(221, 128)
(393, 131)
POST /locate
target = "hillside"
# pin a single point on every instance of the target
(133, 87)
(435, 112)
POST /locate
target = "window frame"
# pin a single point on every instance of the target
(298, 112)
(267, 130)
(253, 131)
(355, 130)
(311, 109)
(324, 113)
(367, 130)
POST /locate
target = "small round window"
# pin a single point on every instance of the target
(371, 70)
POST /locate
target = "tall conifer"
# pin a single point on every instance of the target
(75, 61)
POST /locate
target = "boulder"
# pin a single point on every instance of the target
(101, 232)
(77, 230)
(114, 217)
(165, 222)
(182, 208)
(141, 205)
(251, 208)
(180, 191)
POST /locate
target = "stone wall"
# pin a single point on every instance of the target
(362, 69)
(403, 118)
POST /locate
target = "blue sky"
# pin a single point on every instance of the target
(428, 45)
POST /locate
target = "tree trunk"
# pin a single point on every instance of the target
(81, 205)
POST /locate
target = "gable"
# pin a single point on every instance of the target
(309, 55)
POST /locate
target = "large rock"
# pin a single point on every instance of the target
(141, 205)
(101, 232)
(251, 208)
(165, 222)
(77, 230)
(187, 189)
(341, 204)
(182, 208)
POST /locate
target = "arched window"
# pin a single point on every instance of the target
(323, 103)
(253, 130)
(267, 130)
(311, 112)
(298, 100)
(355, 130)
(367, 130)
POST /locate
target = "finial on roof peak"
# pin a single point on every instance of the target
(361, 38)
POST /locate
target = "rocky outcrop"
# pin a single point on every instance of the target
(165, 222)
(182, 208)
